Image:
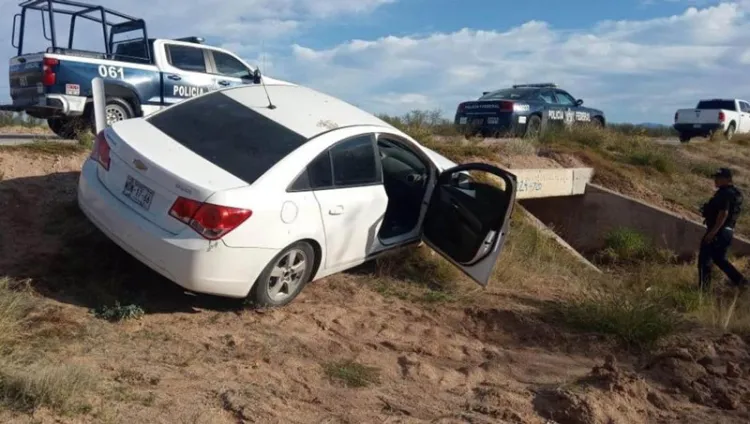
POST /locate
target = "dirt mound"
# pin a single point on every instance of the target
(713, 373)
(607, 395)
(691, 380)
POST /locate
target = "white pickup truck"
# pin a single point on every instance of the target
(730, 116)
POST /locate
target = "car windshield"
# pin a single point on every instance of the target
(510, 94)
(716, 104)
(228, 134)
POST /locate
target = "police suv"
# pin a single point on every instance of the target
(141, 74)
(525, 110)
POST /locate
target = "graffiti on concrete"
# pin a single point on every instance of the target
(528, 185)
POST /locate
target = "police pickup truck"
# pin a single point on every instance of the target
(727, 116)
(141, 74)
(525, 110)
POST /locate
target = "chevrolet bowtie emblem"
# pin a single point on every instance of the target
(139, 165)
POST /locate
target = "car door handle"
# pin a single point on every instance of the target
(174, 77)
(336, 210)
(224, 83)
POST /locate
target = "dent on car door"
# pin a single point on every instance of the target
(468, 215)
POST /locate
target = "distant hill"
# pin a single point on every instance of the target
(651, 125)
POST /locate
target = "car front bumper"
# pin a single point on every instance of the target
(186, 259)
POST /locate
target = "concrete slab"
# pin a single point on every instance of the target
(538, 183)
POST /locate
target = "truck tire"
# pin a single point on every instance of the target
(117, 109)
(67, 127)
(729, 133)
(684, 138)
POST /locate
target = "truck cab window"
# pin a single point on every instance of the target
(229, 66)
(186, 58)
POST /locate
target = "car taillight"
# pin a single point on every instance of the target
(100, 151)
(48, 73)
(211, 221)
(721, 117)
(506, 106)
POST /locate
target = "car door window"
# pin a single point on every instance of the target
(547, 97)
(354, 162)
(229, 66)
(347, 164)
(565, 99)
(186, 58)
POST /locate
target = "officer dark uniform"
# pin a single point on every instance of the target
(720, 213)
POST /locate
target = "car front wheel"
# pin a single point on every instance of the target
(284, 277)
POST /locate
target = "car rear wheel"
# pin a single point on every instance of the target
(533, 127)
(284, 277)
(684, 138)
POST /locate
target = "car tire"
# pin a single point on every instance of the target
(684, 138)
(66, 127)
(117, 109)
(533, 127)
(597, 122)
(267, 292)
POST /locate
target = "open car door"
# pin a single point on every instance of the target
(468, 215)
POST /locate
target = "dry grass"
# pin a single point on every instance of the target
(352, 374)
(27, 381)
(48, 148)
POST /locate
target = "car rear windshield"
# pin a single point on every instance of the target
(510, 94)
(229, 134)
(716, 104)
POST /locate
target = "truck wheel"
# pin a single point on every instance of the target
(729, 133)
(117, 109)
(533, 127)
(684, 138)
(67, 127)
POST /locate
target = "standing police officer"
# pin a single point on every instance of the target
(720, 213)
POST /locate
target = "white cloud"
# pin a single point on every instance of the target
(634, 70)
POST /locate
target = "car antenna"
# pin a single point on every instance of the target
(257, 78)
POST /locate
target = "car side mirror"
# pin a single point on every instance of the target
(256, 76)
(579, 102)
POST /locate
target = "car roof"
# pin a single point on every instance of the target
(303, 110)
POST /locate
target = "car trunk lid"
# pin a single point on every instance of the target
(149, 170)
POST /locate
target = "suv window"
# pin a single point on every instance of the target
(228, 134)
(186, 58)
(229, 66)
(564, 98)
(354, 162)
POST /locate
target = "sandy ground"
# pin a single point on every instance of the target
(197, 360)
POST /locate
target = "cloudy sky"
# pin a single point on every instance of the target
(638, 60)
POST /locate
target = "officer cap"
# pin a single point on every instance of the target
(723, 173)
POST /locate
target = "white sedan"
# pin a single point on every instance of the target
(229, 195)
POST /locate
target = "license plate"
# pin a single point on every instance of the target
(696, 125)
(138, 192)
(462, 120)
(478, 121)
(492, 121)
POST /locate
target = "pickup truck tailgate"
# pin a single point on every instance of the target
(26, 78)
(698, 116)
